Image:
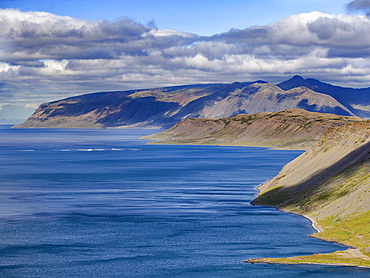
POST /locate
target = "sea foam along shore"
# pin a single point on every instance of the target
(313, 223)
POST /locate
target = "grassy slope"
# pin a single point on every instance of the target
(335, 194)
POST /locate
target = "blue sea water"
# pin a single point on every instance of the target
(102, 203)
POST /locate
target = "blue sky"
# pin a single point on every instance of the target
(55, 49)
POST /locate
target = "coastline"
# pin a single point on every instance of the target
(271, 147)
(266, 261)
(351, 257)
(331, 259)
(350, 254)
(342, 153)
(313, 223)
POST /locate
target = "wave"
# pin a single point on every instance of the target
(90, 150)
(98, 150)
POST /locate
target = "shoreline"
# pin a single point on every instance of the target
(251, 261)
(351, 253)
(314, 224)
(318, 229)
(271, 147)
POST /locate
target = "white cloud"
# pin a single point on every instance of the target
(32, 106)
(47, 57)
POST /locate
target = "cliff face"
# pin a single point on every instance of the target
(330, 184)
(163, 107)
(337, 150)
(291, 129)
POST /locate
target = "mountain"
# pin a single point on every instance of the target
(289, 129)
(356, 100)
(163, 107)
(329, 184)
(258, 97)
(135, 108)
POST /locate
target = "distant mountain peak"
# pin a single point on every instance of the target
(237, 85)
(295, 81)
(296, 77)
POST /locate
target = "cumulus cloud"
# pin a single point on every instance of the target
(39, 35)
(46, 57)
(360, 5)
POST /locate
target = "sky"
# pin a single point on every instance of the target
(55, 49)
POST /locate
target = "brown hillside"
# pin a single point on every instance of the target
(291, 129)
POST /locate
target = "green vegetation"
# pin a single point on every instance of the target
(335, 258)
(353, 230)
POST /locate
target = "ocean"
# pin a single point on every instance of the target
(102, 203)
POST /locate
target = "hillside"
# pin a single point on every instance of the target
(163, 107)
(329, 184)
(290, 129)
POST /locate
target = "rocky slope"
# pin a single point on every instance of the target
(163, 107)
(291, 129)
(329, 184)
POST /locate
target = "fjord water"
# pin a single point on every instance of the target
(101, 203)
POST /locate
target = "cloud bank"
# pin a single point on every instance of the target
(44, 56)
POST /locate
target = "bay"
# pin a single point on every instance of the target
(102, 203)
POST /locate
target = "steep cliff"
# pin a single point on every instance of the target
(329, 184)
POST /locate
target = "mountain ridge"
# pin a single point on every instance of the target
(163, 107)
(347, 96)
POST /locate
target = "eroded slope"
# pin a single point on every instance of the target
(330, 184)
